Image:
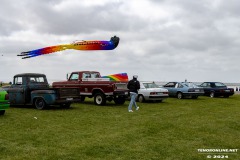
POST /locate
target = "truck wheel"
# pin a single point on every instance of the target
(2, 112)
(99, 99)
(119, 100)
(141, 99)
(40, 103)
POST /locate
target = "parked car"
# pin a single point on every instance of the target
(184, 89)
(4, 103)
(149, 91)
(216, 89)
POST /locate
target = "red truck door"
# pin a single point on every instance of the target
(73, 80)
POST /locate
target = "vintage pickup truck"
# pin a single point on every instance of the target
(91, 84)
(33, 89)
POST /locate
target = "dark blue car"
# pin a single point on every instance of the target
(216, 89)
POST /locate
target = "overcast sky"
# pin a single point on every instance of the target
(160, 40)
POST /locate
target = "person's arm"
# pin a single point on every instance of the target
(138, 85)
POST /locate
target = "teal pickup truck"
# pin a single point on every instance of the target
(33, 89)
(4, 101)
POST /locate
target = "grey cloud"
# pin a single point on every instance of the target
(81, 19)
(196, 40)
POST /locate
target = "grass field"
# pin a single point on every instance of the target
(172, 130)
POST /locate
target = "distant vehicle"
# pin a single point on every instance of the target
(184, 89)
(4, 101)
(149, 91)
(216, 89)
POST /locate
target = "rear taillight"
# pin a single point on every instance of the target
(221, 90)
(165, 92)
(153, 93)
(6, 97)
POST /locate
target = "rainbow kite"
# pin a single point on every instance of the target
(80, 45)
(117, 77)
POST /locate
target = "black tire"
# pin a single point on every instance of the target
(141, 99)
(99, 99)
(212, 95)
(66, 105)
(39, 103)
(179, 95)
(2, 112)
(119, 100)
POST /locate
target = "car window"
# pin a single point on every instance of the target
(218, 84)
(190, 84)
(18, 80)
(74, 77)
(170, 84)
(204, 85)
(94, 75)
(150, 85)
(180, 85)
(85, 75)
(36, 79)
(145, 85)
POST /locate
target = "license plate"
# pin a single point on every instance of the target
(227, 91)
(69, 99)
(197, 90)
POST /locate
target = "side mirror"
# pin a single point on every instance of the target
(67, 76)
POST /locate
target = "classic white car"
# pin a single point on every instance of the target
(149, 91)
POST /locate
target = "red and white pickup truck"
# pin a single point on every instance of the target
(92, 85)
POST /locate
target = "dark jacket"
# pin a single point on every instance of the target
(133, 85)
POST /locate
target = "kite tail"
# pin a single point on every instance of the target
(46, 50)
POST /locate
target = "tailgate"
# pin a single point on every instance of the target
(68, 92)
(121, 86)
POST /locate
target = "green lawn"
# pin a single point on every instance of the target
(172, 130)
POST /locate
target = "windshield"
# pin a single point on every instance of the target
(150, 85)
(190, 85)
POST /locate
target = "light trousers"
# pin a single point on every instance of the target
(133, 96)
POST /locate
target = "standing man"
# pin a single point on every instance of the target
(133, 86)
